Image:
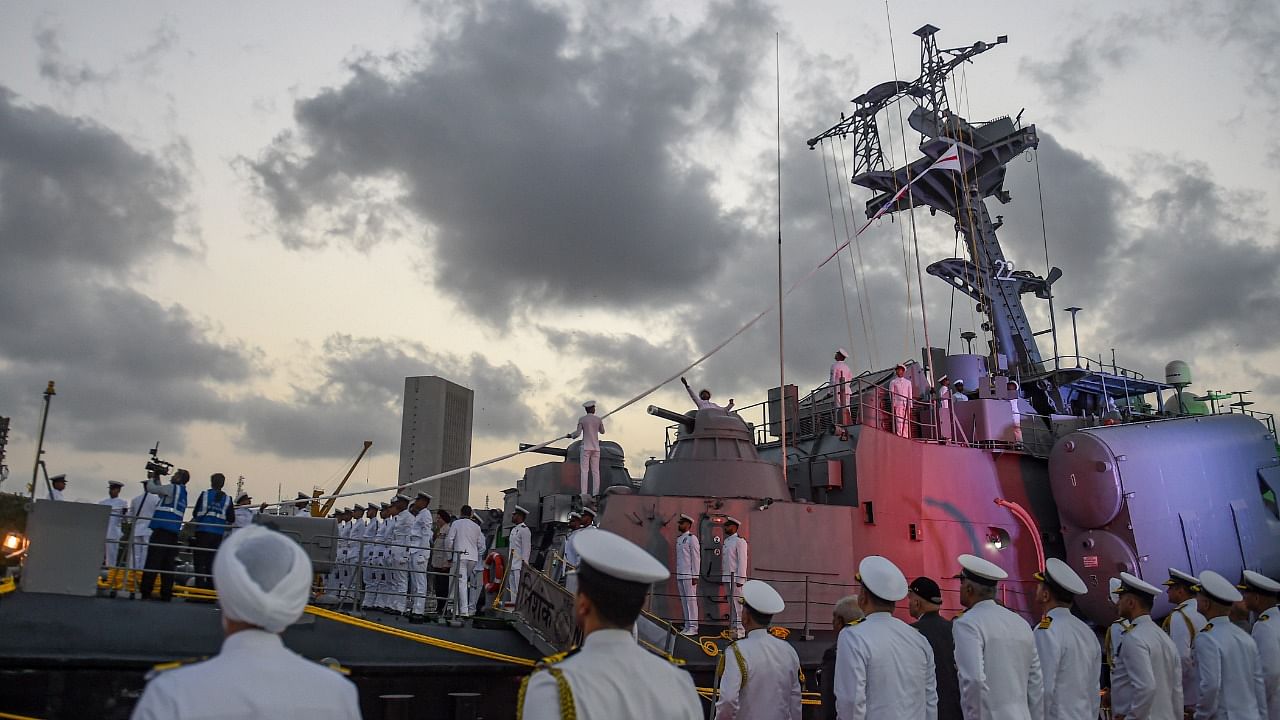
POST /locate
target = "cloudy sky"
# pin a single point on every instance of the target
(234, 228)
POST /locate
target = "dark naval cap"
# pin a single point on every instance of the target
(927, 589)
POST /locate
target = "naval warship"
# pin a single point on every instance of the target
(1053, 455)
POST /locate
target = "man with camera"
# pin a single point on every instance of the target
(166, 523)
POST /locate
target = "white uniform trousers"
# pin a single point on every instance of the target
(513, 582)
(733, 593)
(111, 557)
(372, 570)
(139, 552)
(463, 604)
(590, 461)
(418, 580)
(689, 603)
(397, 579)
(902, 419)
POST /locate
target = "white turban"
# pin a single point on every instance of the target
(263, 578)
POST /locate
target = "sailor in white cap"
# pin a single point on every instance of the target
(1232, 683)
(841, 382)
(421, 532)
(1068, 648)
(58, 483)
(1183, 624)
(688, 569)
(399, 535)
(590, 427)
(466, 541)
(374, 555)
(946, 418)
(1111, 640)
(264, 582)
(119, 509)
(996, 660)
(244, 509)
(733, 571)
(302, 508)
(901, 392)
(758, 676)
(1261, 594)
(884, 667)
(141, 509)
(702, 400)
(610, 676)
(521, 543)
(1146, 681)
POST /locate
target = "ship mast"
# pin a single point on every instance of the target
(986, 275)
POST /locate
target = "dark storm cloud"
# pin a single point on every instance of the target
(546, 159)
(360, 393)
(621, 364)
(81, 214)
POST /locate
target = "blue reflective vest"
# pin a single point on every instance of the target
(211, 512)
(169, 513)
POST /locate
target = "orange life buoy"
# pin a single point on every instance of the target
(493, 571)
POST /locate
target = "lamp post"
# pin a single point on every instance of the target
(1074, 336)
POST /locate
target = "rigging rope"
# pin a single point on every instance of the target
(835, 240)
(860, 265)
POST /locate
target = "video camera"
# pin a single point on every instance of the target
(156, 466)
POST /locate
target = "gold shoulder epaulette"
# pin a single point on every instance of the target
(550, 660)
(855, 622)
(1207, 627)
(1045, 622)
(167, 666)
(779, 632)
(1263, 616)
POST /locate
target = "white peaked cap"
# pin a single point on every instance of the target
(618, 557)
(983, 571)
(263, 578)
(1133, 583)
(899, 365)
(242, 495)
(1061, 574)
(685, 517)
(1113, 588)
(589, 404)
(1177, 576)
(1219, 588)
(732, 519)
(114, 483)
(519, 509)
(882, 578)
(575, 514)
(588, 511)
(843, 352)
(944, 377)
(761, 597)
(1260, 582)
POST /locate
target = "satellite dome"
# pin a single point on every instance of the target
(1177, 372)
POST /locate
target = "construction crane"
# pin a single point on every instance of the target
(328, 507)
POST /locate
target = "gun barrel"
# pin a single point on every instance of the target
(676, 417)
(558, 452)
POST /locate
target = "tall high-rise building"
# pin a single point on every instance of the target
(435, 436)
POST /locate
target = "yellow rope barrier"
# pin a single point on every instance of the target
(806, 698)
(7, 585)
(11, 716)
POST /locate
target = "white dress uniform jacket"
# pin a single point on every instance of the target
(613, 678)
(1147, 679)
(466, 538)
(1231, 680)
(901, 392)
(1183, 624)
(733, 563)
(521, 547)
(688, 569)
(1069, 660)
(884, 669)
(841, 376)
(1266, 634)
(246, 680)
(771, 689)
(997, 665)
(244, 515)
(141, 508)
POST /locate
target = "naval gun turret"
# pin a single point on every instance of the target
(714, 455)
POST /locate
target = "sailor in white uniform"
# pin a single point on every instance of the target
(466, 541)
(733, 571)
(302, 508)
(702, 400)
(946, 418)
(58, 484)
(610, 677)
(688, 569)
(521, 543)
(372, 556)
(570, 555)
(1183, 623)
(1068, 648)
(901, 392)
(398, 551)
(884, 667)
(590, 427)
(1147, 679)
(996, 661)
(841, 381)
(264, 582)
(1261, 594)
(1232, 684)
(119, 510)
(141, 509)
(759, 675)
(421, 533)
(244, 512)
(1115, 631)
